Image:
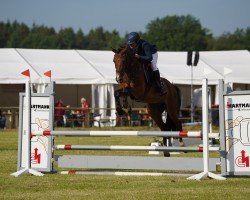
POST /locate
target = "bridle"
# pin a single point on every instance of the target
(127, 74)
(131, 74)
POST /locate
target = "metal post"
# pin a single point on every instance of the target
(27, 168)
(222, 128)
(205, 172)
(192, 96)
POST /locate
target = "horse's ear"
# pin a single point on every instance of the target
(114, 50)
(122, 46)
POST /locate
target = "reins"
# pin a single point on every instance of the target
(132, 69)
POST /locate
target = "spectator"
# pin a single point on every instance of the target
(84, 111)
(67, 117)
(59, 112)
(2, 120)
(85, 106)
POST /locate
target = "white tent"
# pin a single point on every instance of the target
(233, 66)
(173, 66)
(102, 61)
(97, 68)
(67, 66)
(11, 66)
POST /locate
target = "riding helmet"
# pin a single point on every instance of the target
(133, 37)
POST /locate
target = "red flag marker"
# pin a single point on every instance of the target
(26, 73)
(48, 73)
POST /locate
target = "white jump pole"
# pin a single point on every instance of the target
(130, 148)
(205, 124)
(181, 134)
(27, 168)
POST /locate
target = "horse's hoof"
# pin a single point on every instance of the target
(166, 154)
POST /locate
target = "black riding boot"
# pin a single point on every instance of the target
(159, 82)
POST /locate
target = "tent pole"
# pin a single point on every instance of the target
(192, 96)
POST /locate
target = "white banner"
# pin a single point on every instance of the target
(40, 150)
(237, 125)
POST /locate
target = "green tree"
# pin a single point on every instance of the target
(66, 38)
(80, 40)
(96, 39)
(171, 33)
(41, 37)
(177, 33)
(5, 32)
(113, 40)
(240, 39)
(247, 39)
(18, 33)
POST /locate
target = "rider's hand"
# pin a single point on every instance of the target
(137, 56)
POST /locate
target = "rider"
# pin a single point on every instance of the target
(147, 53)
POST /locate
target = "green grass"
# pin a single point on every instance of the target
(55, 186)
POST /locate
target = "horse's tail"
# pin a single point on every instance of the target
(178, 91)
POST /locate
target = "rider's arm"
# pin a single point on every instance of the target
(148, 54)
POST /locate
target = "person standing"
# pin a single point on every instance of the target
(84, 111)
(59, 112)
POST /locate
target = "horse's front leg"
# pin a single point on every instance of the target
(121, 93)
(125, 94)
(117, 95)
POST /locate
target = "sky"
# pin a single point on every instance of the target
(219, 16)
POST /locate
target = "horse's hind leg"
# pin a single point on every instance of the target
(155, 111)
(173, 122)
(175, 127)
(168, 127)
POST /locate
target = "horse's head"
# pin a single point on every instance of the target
(123, 58)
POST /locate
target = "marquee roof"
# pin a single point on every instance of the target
(97, 67)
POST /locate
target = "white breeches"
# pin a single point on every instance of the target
(154, 61)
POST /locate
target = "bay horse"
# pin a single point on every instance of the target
(130, 75)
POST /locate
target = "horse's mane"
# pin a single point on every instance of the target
(122, 47)
(132, 66)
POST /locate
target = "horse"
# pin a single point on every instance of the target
(130, 75)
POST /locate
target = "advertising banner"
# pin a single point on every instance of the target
(41, 146)
(237, 132)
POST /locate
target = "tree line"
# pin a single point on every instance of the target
(170, 33)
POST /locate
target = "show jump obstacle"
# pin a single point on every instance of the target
(36, 149)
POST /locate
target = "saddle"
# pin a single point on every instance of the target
(150, 80)
(148, 73)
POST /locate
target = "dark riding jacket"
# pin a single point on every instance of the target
(145, 50)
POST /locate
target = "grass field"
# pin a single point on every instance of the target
(55, 186)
